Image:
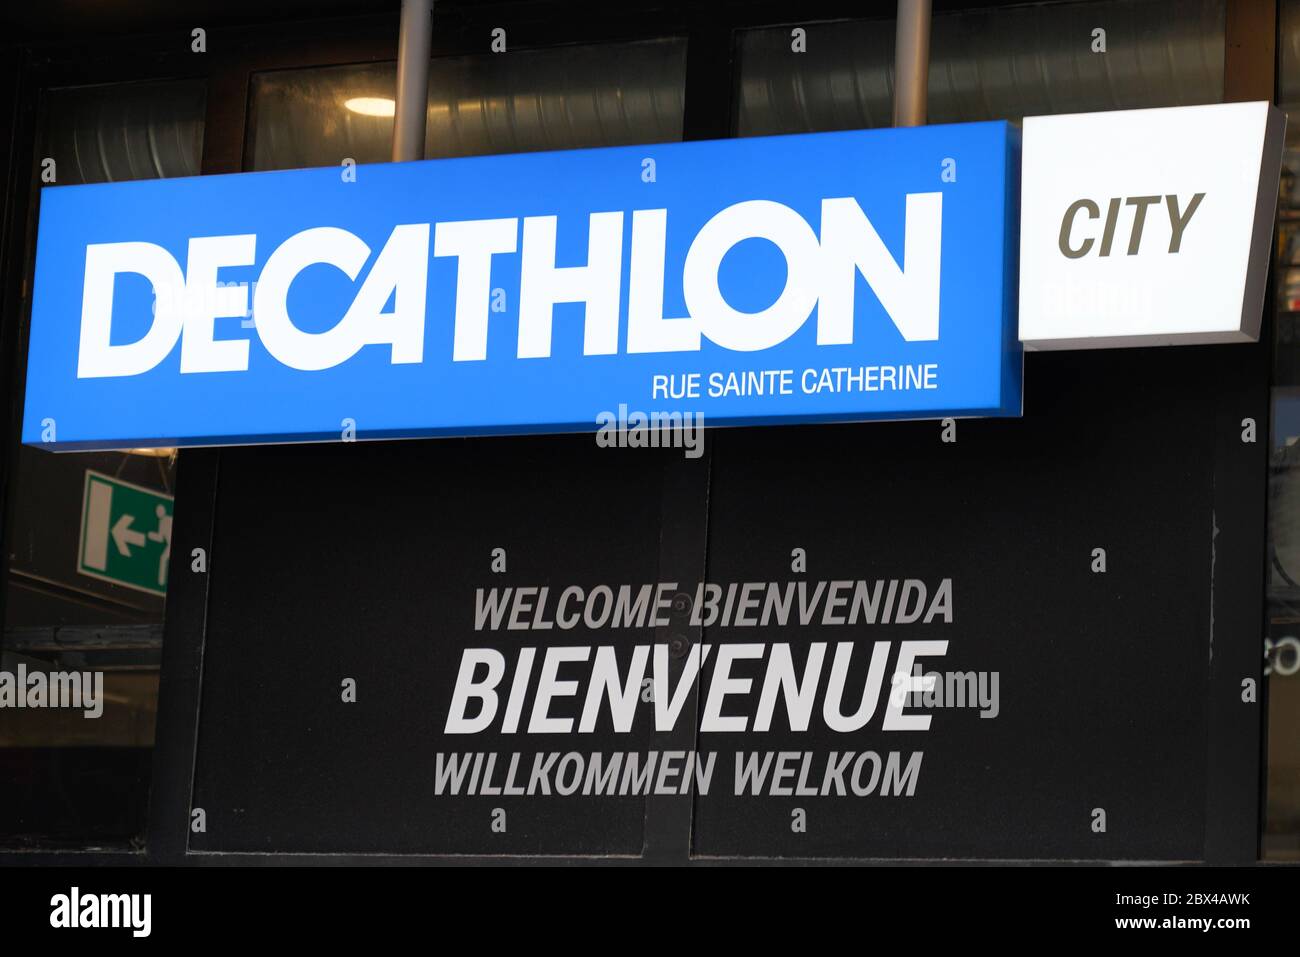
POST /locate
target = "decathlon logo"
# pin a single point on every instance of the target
(822, 269)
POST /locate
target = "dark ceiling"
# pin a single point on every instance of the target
(22, 21)
(39, 19)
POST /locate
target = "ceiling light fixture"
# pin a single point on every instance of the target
(371, 105)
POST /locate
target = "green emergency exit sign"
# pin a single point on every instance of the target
(126, 534)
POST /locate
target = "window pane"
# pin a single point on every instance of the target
(556, 98)
(107, 134)
(1002, 63)
(71, 779)
(1282, 662)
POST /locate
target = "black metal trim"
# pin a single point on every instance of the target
(1235, 773)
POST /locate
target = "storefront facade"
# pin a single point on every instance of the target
(288, 662)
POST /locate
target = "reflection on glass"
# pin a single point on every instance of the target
(69, 779)
(1282, 642)
(557, 98)
(107, 134)
(1002, 63)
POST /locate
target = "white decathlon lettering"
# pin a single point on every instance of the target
(96, 357)
(909, 294)
(400, 271)
(473, 244)
(205, 302)
(821, 275)
(744, 331)
(542, 284)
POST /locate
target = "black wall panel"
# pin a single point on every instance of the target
(361, 561)
(1102, 676)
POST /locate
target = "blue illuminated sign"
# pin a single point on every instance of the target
(813, 278)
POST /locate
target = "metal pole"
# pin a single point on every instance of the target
(414, 44)
(911, 62)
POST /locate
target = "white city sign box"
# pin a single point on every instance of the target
(1147, 227)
